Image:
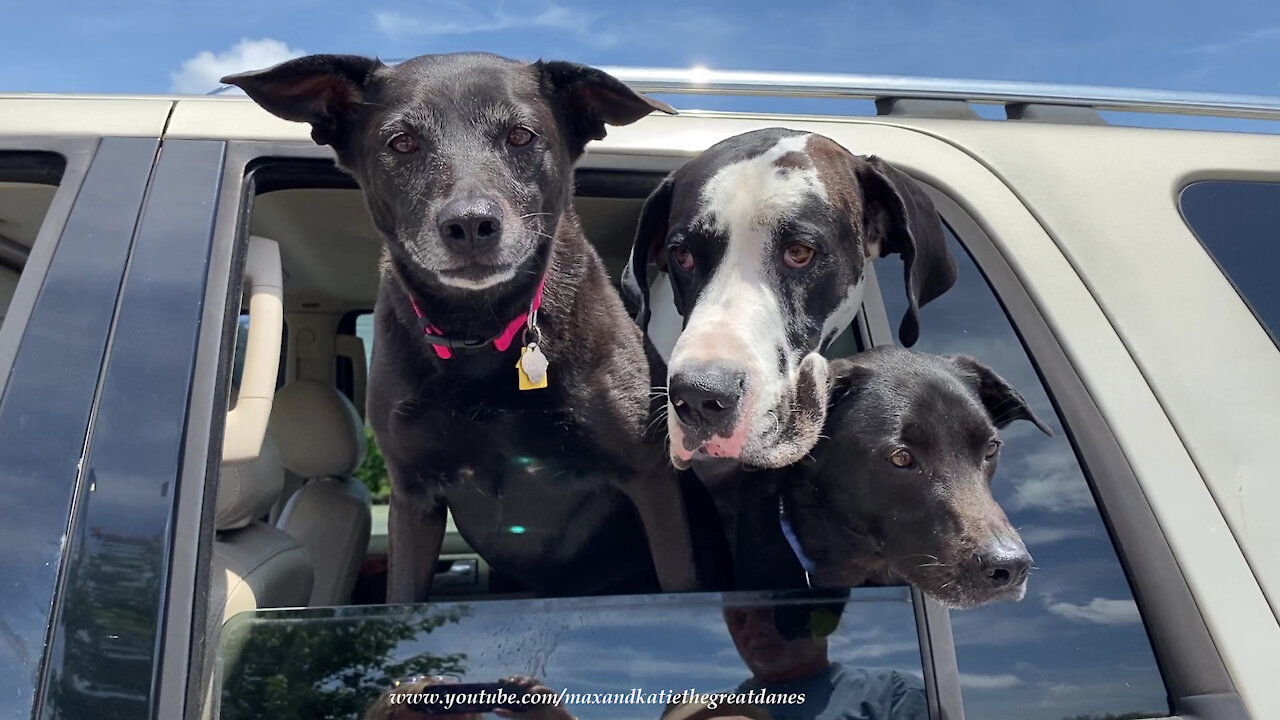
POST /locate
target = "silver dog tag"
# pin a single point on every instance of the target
(534, 364)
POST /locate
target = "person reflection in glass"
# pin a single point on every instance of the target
(832, 691)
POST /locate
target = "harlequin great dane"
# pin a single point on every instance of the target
(765, 237)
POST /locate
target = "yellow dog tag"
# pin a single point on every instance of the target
(532, 368)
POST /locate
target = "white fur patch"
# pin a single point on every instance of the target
(481, 284)
(844, 312)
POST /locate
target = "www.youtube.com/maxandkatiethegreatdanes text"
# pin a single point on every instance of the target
(636, 696)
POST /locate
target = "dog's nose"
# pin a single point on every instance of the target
(707, 396)
(471, 225)
(1003, 566)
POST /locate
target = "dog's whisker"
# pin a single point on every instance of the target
(925, 555)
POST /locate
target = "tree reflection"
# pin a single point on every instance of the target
(326, 667)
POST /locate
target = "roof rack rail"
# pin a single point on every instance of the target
(1011, 94)
(997, 92)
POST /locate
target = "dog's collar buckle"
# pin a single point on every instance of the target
(444, 345)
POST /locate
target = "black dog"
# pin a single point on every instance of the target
(904, 484)
(466, 163)
(900, 490)
(765, 236)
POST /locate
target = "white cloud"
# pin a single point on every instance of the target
(1043, 535)
(1100, 611)
(443, 17)
(1057, 491)
(201, 73)
(1241, 40)
(1046, 479)
(989, 682)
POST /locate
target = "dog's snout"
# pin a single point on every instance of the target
(707, 396)
(471, 225)
(1002, 566)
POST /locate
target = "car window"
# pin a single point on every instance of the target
(28, 182)
(1237, 223)
(1076, 645)
(620, 658)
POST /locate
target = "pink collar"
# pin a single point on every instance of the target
(445, 344)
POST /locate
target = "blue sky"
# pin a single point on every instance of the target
(162, 45)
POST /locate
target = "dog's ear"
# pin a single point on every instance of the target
(323, 90)
(1003, 403)
(651, 233)
(898, 217)
(586, 99)
(847, 376)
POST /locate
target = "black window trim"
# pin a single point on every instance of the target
(1187, 658)
(95, 207)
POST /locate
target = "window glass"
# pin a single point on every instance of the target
(28, 182)
(1075, 646)
(613, 657)
(1239, 223)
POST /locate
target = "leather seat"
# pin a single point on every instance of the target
(254, 564)
(322, 442)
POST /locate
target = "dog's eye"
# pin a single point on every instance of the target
(798, 255)
(993, 447)
(683, 257)
(519, 136)
(403, 143)
(902, 459)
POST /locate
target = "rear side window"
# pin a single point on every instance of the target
(1075, 646)
(28, 181)
(1239, 224)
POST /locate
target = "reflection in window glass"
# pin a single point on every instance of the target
(28, 182)
(340, 662)
(1239, 223)
(1076, 645)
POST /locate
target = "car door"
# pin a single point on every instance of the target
(73, 177)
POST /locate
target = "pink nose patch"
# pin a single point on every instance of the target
(725, 447)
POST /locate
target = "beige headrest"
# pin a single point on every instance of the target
(248, 490)
(319, 432)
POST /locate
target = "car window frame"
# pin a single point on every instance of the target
(1186, 656)
(179, 694)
